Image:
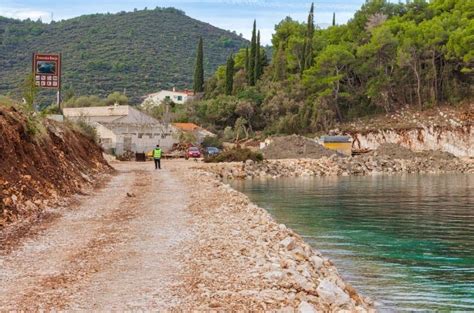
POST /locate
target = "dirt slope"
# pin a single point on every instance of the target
(37, 168)
(294, 147)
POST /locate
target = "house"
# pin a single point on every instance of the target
(198, 131)
(122, 128)
(174, 95)
(342, 144)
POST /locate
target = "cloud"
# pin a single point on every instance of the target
(23, 14)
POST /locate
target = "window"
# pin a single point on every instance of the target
(180, 98)
(167, 97)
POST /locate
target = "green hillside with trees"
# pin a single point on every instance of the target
(140, 52)
(390, 55)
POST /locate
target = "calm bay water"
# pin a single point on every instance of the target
(405, 241)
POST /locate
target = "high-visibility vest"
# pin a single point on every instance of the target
(157, 154)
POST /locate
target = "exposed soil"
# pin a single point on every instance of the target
(399, 152)
(37, 169)
(294, 147)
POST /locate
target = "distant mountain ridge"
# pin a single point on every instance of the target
(139, 52)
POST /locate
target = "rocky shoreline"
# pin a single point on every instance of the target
(241, 259)
(341, 166)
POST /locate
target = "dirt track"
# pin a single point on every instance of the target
(115, 250)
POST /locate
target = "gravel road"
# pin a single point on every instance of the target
(115, 249)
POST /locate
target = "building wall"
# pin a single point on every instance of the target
(138, 138)
(124, 128)
(116, 114)
(102, 111)
(159, 97)
(107, 138)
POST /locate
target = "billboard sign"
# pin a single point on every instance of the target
(47, 70)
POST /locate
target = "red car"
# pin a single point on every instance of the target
(193, 152)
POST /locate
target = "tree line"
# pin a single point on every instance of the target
(389, 55)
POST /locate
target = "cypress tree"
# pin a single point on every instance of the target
(199, 69)
(253, 52)
(308, 44)
(258, 60)
(246, 60)
(334, 19)
(229, 75)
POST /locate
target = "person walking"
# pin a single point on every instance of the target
(157, 157)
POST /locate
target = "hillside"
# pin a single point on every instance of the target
(388, 57)
(139, 51)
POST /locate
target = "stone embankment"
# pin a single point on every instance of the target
(371, 164)
(242, 260)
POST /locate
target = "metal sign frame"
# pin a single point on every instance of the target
(47, 70)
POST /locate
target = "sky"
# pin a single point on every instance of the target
(233, 15)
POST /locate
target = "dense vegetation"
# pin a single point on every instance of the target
(140, 52)
(390, 55)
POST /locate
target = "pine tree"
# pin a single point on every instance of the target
(308, 44)
(258, 60)
(199, 69)
(229, 75)
(334, 19)
(253, 52)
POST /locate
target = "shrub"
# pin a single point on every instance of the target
(235, 155)
(84, 128)
(34, 125)
(211, 141)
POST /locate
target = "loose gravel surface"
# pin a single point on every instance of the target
(114, 250)
(176, 239)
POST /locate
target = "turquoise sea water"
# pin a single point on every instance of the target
(405, 241)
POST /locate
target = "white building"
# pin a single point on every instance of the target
(123, 128)
(174, 95)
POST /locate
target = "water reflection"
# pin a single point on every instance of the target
(407, 241)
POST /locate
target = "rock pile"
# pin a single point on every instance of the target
(336, 166)
(294, 147)
(395, 151)
(244, 261)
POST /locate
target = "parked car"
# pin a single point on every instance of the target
(210, 151)
(193, 152)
